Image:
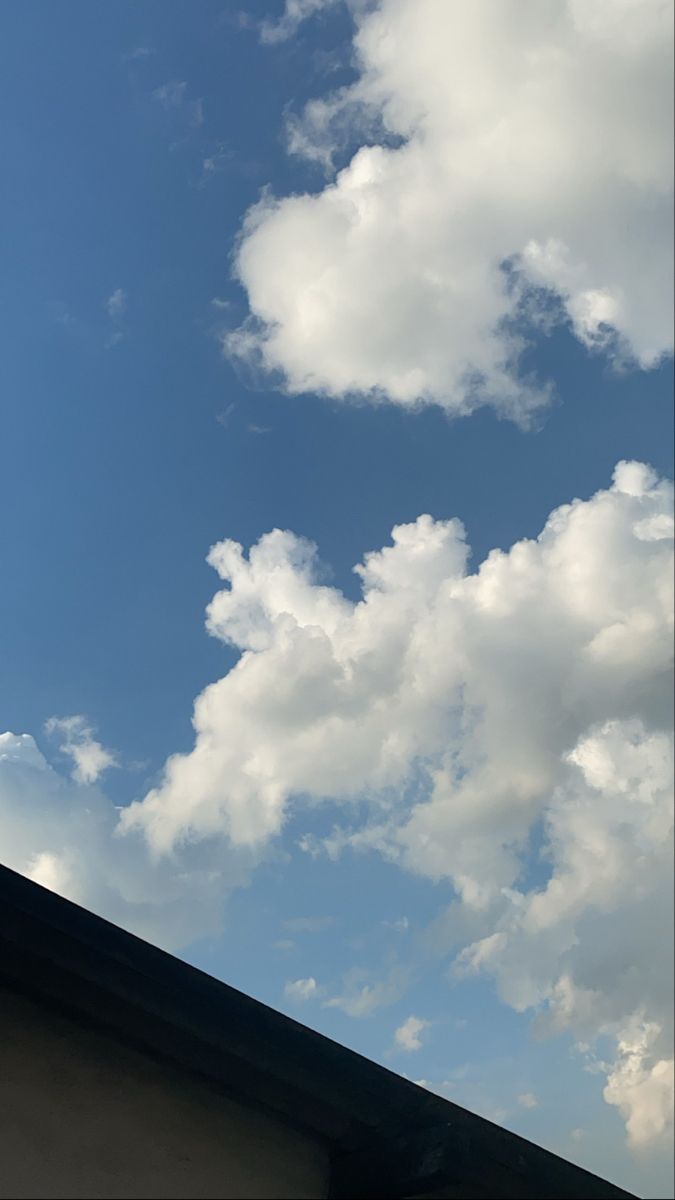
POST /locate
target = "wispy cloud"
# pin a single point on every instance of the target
(116, 304)
(295, 12)
(214, 162)
(308, 924)
(223, 417)
(401, 925)
(361, 996)
(138, 53)
(90, 757)
(61, 315)
(60, 832)
(173, 98)
(171, 94)
(116, 307)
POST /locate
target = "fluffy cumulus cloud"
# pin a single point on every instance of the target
(506, 730)
(535, 133)
(641, 1084)
(408, 1036)
(61, 833)
(302, 989)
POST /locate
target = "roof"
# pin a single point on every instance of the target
(385, 1135)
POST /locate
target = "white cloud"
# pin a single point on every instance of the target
(295, 12)
(536, 132)
(212, 164)
(302, 989)
(62, 834)
(641, 1085)
(528, 1100)
(51, 871)
(362, 995)
(21, 748)
(171, 94)
(173, 98)
(594, 944)
(308, 924)
(116, 307)
(89, 756)
(116, 304)
(467, 713)
(400, 925)
(139, 52)
(472, 712)
(407, 1036)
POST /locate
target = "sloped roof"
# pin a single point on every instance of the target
(385, 1135)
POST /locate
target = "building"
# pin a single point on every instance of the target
(127, 1073)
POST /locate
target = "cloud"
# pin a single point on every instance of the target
(171, 94)
(116, 304)
(223, 417)
(309, 924)
(591, 948)
(535, 134)
(173, 98)
(139, 52)
(294, 14)
(212, 164)
(641, 1085)
(362, 995)
(302, 989)
(407, 1036)
(400, 925)
(473, 716)
(116, 307)
(330, 697)
(61, 833)
(528, 1100)
(90, 758)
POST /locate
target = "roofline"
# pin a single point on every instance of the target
(58, 952)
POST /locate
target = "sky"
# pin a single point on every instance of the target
(335, 449)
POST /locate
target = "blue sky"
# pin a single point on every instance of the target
(135, 137)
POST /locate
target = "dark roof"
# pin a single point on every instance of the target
(385, 1135)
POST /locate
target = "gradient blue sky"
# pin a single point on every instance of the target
(129, 444)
